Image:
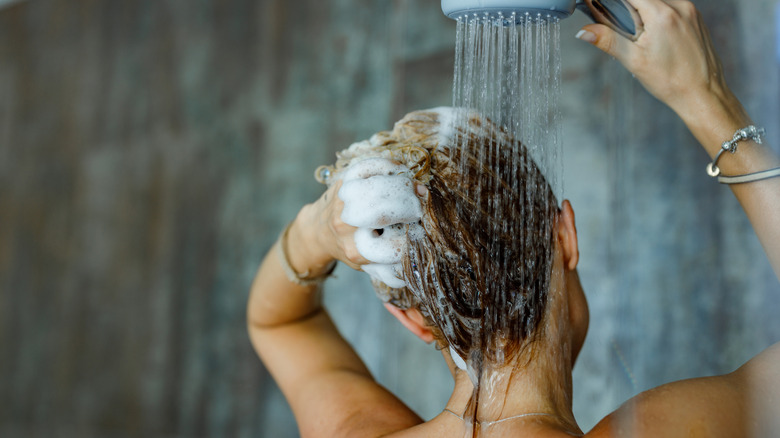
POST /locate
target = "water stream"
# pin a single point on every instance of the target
(507, 77)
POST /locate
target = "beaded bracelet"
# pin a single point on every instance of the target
(748, 133)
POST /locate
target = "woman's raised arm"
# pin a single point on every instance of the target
(674, 59)
(329, 388)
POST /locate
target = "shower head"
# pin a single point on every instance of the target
(504, 8)
(617, 14)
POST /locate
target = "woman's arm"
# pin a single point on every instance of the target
(675, 61)
(315, 239)
(330, 390)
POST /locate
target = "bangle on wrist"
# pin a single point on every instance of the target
(750, 177)
(748, 133)
(300, 279)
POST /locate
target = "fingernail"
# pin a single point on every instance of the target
(587, 36)
(422, 190)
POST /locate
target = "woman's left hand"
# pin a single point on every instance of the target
(673, 58)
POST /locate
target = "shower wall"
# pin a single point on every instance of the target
(151, 151)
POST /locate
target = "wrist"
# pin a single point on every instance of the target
(713, 117)
(303, 248)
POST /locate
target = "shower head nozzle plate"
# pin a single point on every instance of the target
(494, 8)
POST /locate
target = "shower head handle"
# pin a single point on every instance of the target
(616, 14)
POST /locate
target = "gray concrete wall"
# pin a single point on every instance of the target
(150, 152)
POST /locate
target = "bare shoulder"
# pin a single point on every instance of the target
(744, 403)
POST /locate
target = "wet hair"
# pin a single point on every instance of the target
(480, 273)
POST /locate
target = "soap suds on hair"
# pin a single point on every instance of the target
(387, 274)
(373, 167)
(447, 118)
(384, 245)
(380, 200)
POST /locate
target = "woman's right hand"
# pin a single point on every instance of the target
(318, 236)
(374, 202)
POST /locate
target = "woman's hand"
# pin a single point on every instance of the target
(673, 58)
(318, 236)
(362, 220)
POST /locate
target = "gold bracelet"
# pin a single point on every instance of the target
(292, 275)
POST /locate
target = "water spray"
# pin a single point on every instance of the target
(507, 76)
(617, 14)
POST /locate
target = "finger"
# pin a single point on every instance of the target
(383, 246)
(607, 40)
(355, 266)
(387, 274)
(352, 254)
(421, 190)
(379, 201)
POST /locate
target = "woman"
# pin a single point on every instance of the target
(527, 393)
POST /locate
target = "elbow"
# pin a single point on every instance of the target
(260, 318)
(257, 317)
(256, 320)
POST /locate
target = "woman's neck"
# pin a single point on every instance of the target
(539, 381)
(541, 387)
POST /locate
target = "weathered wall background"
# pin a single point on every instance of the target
(150, 152)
